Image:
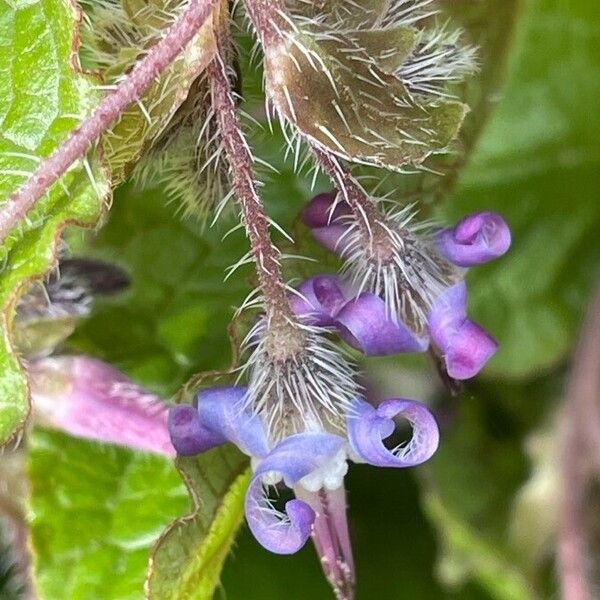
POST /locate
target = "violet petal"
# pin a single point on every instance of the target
(221, 410)
(369, 426)
(188, 435)
(464, 345)
(448, 313)
(470, 350)
(366, 325)
(317, 300)
(294, 458)
(477, 239)
(319, 213)
(331, 238)
(325, 216)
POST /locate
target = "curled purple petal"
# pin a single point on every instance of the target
(87, 398)
(188, 435)
(318, 300)
(366, 325)
(369, 426)
(476, 239)
(294, 458)
(464, 345)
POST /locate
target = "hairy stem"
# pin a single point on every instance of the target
(266, 16)
(282, 321)
(109, 110)
(371, 221)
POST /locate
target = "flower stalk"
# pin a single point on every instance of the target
(286, 337)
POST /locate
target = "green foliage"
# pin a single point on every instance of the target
(96, 511)
(42, 100)
(188, 558)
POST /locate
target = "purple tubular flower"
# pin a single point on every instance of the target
(400, 289)
(294, 458)
(370, 426)
(87, 398)
(313, 464)
(464, 345)
(477, 239)
(364, 322)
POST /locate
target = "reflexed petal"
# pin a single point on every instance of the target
(294, 458)
(464, 345)
(476, 239)
(188, 435)
(87, 398)
(370, 426)
(471, 348)
(365, 324)
(318, 300)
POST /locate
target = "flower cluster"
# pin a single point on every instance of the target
(402, 289)
(321, 421)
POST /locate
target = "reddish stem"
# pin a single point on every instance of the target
(581, 460)
(265, 254)
(109, 110)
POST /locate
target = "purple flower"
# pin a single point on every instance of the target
(402, 284)
(87, 398)
(312, 463)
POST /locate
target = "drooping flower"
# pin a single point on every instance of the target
(300, 422)
(402, 289)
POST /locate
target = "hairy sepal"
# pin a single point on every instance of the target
(336, 95)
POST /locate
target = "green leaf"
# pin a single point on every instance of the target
(538, 164)
(43, 99)
(95, 512)
(188, 558)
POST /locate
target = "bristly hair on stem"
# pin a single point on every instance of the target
(109, 110)
(285, 338)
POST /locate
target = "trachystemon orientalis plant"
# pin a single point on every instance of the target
(368, 83)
